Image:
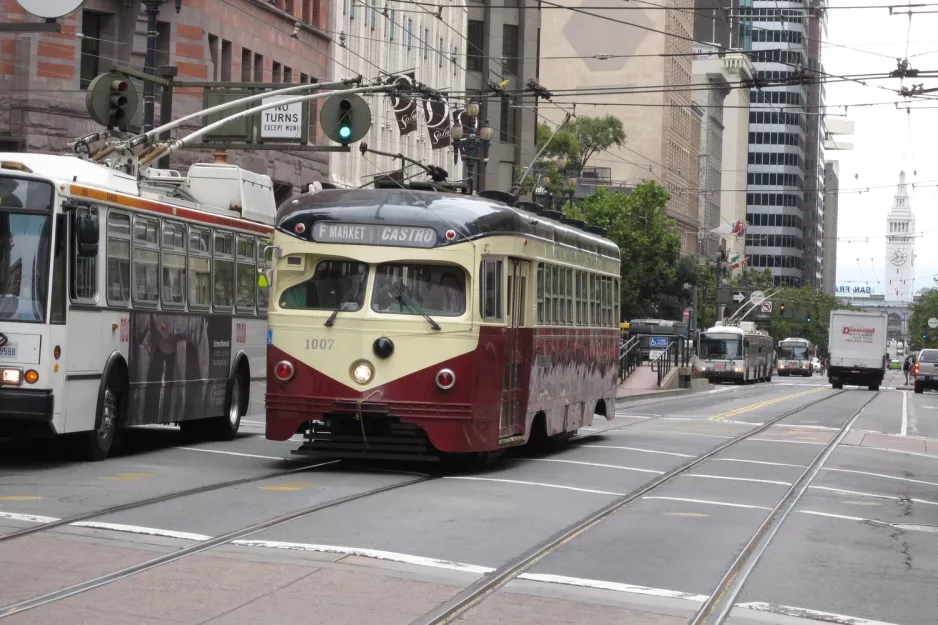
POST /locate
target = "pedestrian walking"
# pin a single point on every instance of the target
(907, 368)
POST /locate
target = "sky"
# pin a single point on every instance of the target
(886, 140)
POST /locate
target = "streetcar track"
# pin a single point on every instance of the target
(717, 607)
(482, 588)
(168, 558)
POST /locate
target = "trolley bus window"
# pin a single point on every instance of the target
(223, 264)
(146, 260)
(246, 275)
(84, 287)
(793, 352)
(325, 290)
(118, 259)
(174, 264)
(720, 347)
(25, 247)
(200, 268)
(438, 290)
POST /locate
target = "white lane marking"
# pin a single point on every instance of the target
(817, 615)
(753, 423)
(887, 477)
(771, 464)
(234, 453)
(492, 479)
(632, 432)
(904, 429)
(841, 491)
(644, 451)
(596, 464)
(795, 426)
(780, 440)
(736, 479)
(28, 518)
(833, 516)
(614, 586)
(708, 502)
(137, 529)
(894, 451)
(368, 553)
(253, 422)
(915, 528)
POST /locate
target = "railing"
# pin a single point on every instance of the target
(630, 357)
(676, 355)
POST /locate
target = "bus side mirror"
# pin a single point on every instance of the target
(746, 342)
(86, 234)
(263, 278)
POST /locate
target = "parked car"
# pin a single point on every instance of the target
(895, 363)
(925, 370)
(816, 363)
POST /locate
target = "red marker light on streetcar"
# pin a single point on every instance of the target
(450, 235)
(300, 228)
(283, 370)
(445, 379)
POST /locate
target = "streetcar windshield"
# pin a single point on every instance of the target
(716, 347)
(438, 290)
(25, 246)
(793, 352)
(335, 284)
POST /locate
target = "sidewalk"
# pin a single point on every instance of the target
(892, 442)
(642, 384)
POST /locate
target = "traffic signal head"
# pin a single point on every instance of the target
(119, 101)
(810, 317)
(781, 308)
(112, 100)
(345, 120)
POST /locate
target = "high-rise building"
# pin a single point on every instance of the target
(776, 183)
(813, 253)
(375, 42)
(829, 241)
(44, 76)
(591, 50)
(900, 247)
(504, 47)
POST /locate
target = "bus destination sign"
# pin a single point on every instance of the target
(374, 234)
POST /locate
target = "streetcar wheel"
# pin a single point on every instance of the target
(97, 444)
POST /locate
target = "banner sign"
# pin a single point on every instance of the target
(438, 122)
(405, 108)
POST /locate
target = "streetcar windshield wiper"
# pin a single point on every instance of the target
(345, 299)
(405, 299)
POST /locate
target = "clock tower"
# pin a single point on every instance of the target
(900, 247)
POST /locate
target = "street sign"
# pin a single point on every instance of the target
(658, 342)
(739, 297)
(723, 295)
(282, 122)
(50, 9)
(766, 306)
(757, 297)
(655, 354)
(686, 314)
(933, 323)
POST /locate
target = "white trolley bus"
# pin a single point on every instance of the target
(128, 302)
(741, 354)
(796, 357)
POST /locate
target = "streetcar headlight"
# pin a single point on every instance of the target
(11, 376)
(445, 379)
(283, 370)
(362, 371)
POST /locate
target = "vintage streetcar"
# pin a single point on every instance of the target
(409, 322)
(740, 354)
(127, 301)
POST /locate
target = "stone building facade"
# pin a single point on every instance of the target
(43, 76)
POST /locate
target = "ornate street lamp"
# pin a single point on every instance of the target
(475, 146)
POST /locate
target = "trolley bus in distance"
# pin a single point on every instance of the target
(411, 324)
(739, 354)
(128, 302)
(796, 357)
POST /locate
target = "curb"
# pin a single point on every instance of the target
(668, 393)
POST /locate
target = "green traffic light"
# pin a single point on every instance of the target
(345, 131)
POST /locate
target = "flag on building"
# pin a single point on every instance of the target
(737, 261)
(736, 228)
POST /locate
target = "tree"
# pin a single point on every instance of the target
(809, 300)
(649, 245)
(922, 310)
(581, 139)
(545, 171)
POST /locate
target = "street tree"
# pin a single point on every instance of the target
(802, 301)
(581, 139)
(923, 309)
(649, 245)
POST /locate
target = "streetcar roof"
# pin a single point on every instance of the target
(471, 217)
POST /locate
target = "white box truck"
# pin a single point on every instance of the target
(857, 349)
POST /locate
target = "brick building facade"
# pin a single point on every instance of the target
(43, 75)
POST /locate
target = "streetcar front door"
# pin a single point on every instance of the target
(511, 422)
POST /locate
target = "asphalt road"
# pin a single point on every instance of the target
(862, 542)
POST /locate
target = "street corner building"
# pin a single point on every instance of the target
(44, 76)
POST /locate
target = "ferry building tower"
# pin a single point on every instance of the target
(900, 247)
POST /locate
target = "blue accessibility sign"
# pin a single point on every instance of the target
(658, 342)
(270, 336)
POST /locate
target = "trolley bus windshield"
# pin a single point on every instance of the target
(25, 246)
(794, 352)
(720, 347)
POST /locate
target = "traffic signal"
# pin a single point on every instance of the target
(112, 100)
(345, 120)
(781, 309)
(810, 317)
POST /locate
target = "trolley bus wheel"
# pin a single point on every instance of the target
(97, 443)
(225, 427)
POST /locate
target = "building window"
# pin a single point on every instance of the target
(225, 60)
(246, 56)
(288, 75)
(476, 34)
(426, 43)
(410, 34)
(510, 48)
(506, 126)
(91, 26)
(258, 67)
(276, 74)
(317, 12)
(374, 14)
(393, 24)
(441, 52)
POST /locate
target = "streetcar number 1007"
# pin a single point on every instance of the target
(319, 343)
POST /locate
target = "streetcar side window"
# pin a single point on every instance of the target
(540, 293)
(223, 270)
(200, 268)
(555, 295)
(568, 310)
(84, 283)
(146, 261)
(561, 295)
(581, 300)
(173, 264)
(616, 297)
(492, 290)
(262, 291)
(596, 289)
(246, 272)
(118, 259)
